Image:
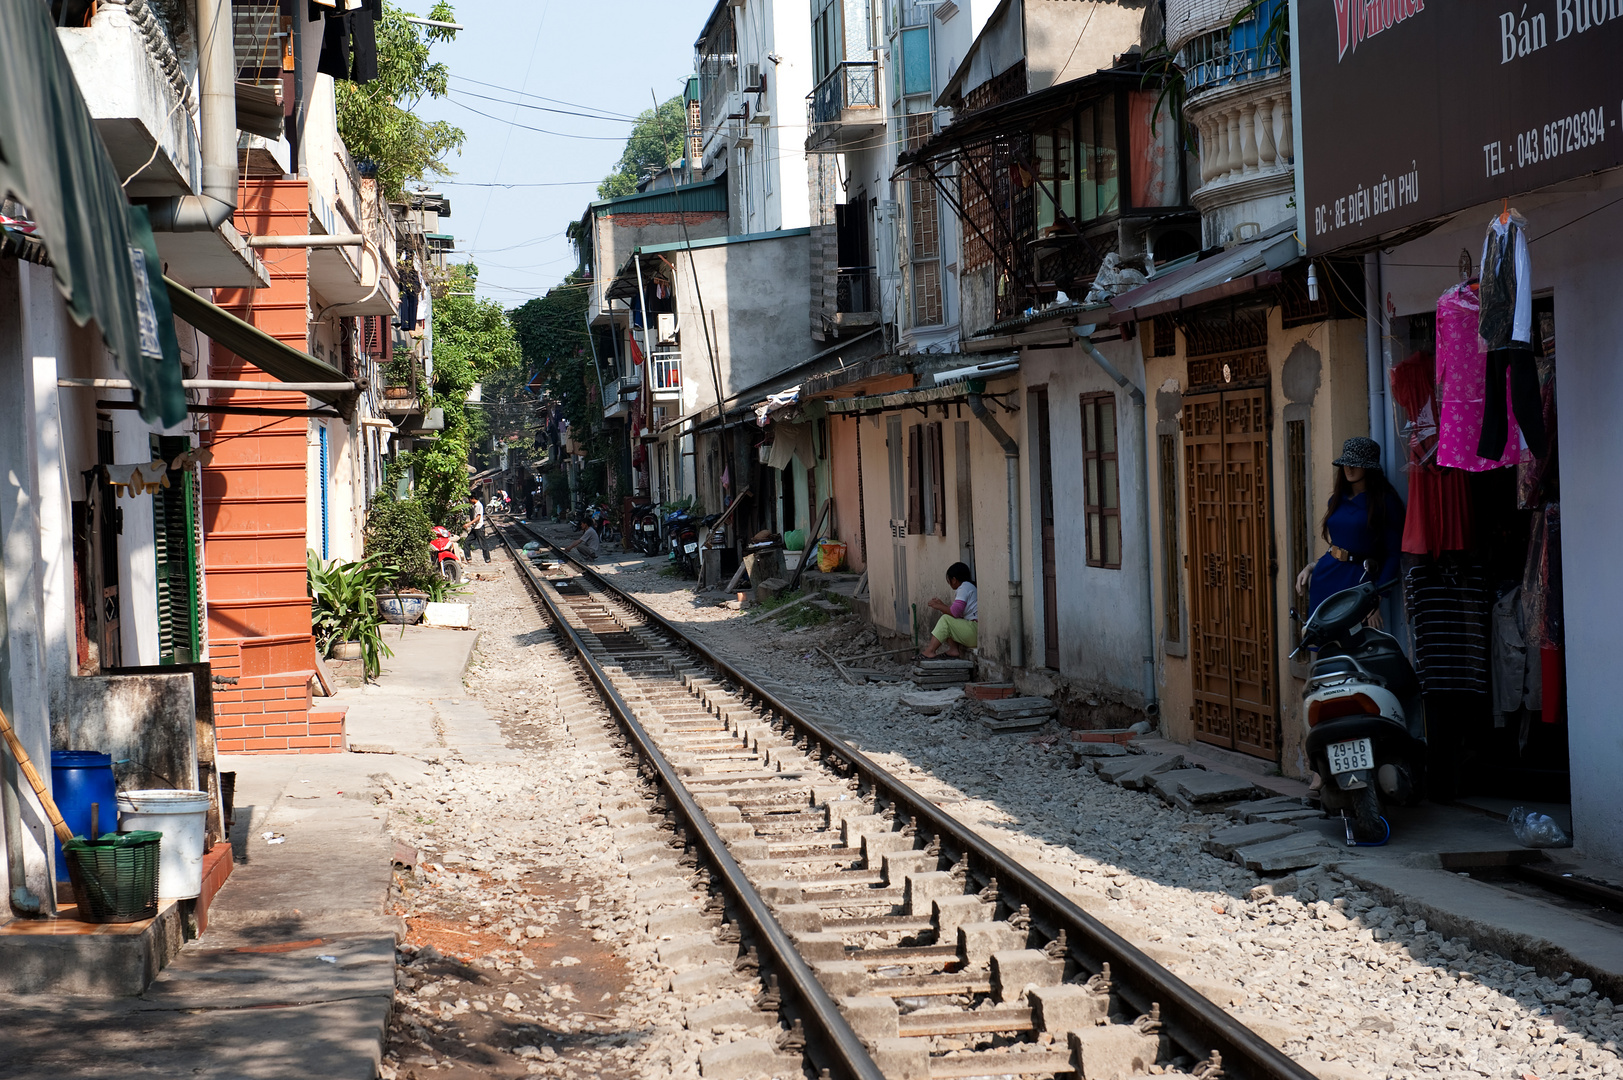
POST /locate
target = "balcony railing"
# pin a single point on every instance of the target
(852, 85)
(1214, 59)
(667, 372)
(856, 289)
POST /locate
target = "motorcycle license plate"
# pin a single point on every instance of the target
(1352, 755)
(691, 548)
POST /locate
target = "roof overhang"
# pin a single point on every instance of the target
(275, 358)
(1243, 268)
(983, 125)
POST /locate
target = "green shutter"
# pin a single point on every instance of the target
(174, 528)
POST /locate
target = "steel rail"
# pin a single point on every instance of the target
(843, 1050)
(1191, 1020)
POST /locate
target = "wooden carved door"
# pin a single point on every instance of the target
(1231, 571)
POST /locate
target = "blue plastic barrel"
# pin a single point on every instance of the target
(79, 778)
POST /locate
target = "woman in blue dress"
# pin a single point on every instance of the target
(1364, 520)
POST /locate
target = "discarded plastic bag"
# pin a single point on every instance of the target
(1537, 830)
(830, 554)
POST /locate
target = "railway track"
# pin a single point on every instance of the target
(894, 941)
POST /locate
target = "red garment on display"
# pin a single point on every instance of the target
(1439, 517)
(1553, 672)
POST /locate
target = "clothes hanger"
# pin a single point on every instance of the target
(1504, 211)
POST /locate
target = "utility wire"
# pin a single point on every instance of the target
(527, 127)
(542, 97)
(546, 108)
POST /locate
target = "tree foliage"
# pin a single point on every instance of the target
(376, 120)
(553, 336)
(656, 141)
(472, 338)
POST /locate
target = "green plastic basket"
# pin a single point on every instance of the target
(115, 877)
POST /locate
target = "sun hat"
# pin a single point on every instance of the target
(1359, 452)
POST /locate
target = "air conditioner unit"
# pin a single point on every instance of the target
(667, 329)
(752, 78)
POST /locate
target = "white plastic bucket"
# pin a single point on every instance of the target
(181, 817)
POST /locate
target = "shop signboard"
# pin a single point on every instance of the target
(1410, 110)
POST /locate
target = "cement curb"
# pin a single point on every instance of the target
(1488, 916)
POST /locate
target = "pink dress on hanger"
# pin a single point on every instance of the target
(1462, 371)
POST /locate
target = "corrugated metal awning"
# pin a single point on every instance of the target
(275, 358)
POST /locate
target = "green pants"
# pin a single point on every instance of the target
(949, 628)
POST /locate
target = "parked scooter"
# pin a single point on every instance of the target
(646, 522)
(447, 554)
(1363, 713)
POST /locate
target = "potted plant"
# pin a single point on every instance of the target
(344, 608)
(398, 532)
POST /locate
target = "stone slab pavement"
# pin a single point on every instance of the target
(1550, 935)
(294, 977)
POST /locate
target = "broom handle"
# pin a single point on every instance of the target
(63, 833)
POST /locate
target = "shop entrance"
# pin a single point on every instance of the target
(1231, 571)
(1481, 562)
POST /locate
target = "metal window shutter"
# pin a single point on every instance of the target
(915, 494)
(162, 550)
(325, 543)
(938, 479)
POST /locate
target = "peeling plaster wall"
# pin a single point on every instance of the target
(148, 723)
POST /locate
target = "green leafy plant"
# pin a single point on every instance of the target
(647, 148)
(344, 606)
(471, 338)
(376, 120)
(398, 533)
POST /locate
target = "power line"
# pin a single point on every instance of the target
(542, 97)
(529, 65)
(527, 127)
(546, 108)
(553, 183)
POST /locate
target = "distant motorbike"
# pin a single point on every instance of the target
(447, 554)
(1363, 713)
(646, 524)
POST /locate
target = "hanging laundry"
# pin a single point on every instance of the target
(1439, 514)
(1536, 477)
(408, 304)
(349, 47)
(1505, 323)
(1461, 381)
(1448, 606)
(1506, 316)
(1516, 675)
(123, 478)
(1414, 387)
(791, 441)
(1520, 366)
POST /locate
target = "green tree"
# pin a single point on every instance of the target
(472, 337)
(656, 141)
(375, 119)
(552, 334)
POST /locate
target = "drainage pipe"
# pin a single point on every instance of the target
(1151, 699)
(217, 119)
(1011, 459)
(1373, 317)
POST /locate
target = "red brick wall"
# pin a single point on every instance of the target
(270, 714)
(638, 221)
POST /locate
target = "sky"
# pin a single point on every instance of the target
(601, 57)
